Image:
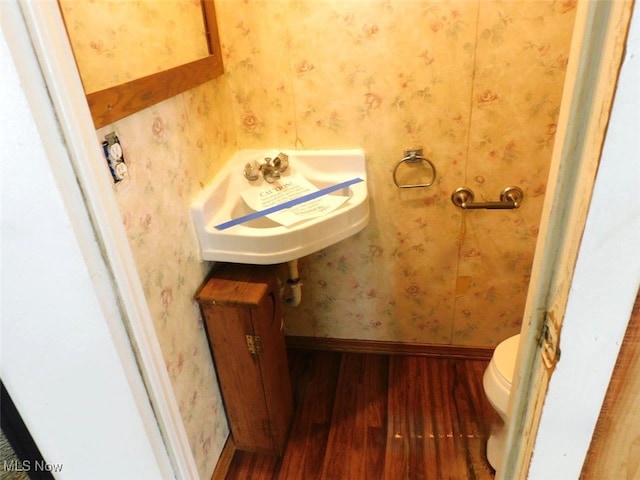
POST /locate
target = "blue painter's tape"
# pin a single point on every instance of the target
(289, 204)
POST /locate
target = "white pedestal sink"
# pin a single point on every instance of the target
(230, 231)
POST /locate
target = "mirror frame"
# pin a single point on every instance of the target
(117, 102)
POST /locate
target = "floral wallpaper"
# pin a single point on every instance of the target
(115, 41)
(519, 73)
(476, 84)
(172, 150)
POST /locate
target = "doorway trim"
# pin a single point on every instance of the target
(597, 51)
(49, 38)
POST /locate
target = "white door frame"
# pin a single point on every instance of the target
(63, 344)
(584, 280)
(49, 37)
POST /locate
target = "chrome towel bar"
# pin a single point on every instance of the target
(511, 197)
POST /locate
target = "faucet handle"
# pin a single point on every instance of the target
(252, 170)
(281, 162)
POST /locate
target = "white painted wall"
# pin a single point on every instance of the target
(603, 290)
(65, 356)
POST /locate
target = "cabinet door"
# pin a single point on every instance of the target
(240, 376)
(274, 369)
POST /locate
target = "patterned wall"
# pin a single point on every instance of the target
(115, 41)
(477, 84)
(172, 150)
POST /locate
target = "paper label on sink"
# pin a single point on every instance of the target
(288, 189)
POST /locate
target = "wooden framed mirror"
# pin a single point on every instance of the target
(92, 25)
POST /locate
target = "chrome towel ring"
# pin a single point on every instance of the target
(414, 157)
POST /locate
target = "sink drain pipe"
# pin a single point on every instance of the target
(294, 285)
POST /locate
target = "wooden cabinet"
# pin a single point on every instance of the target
(242, 311)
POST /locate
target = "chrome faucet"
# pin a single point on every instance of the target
(271, 168)
(270, 171)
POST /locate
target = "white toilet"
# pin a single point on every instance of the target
(497, 386)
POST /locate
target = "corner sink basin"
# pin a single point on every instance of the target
(229, 230)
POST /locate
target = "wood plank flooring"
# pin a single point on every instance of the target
(379, 417)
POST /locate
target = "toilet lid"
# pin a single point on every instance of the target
(504, 357)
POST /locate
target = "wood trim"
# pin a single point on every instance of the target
(213, 37)
(224, 461)
(614, 451)
(389, 348)
(120, 101)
